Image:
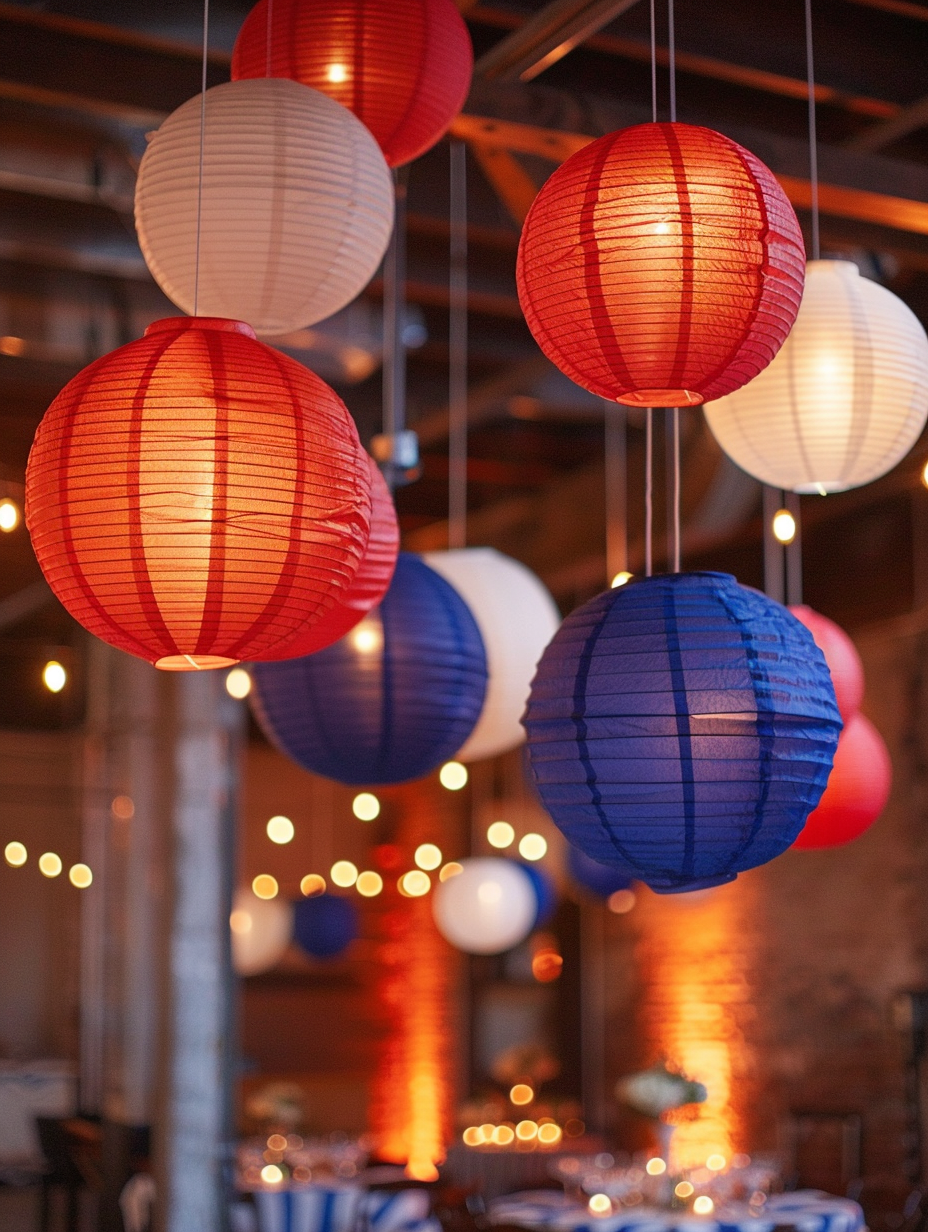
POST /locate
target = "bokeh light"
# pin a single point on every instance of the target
(265, 886)
(123, 808)
(621, 578)
(655, 1166)
(622, 901)
(600, 1204)
(414, 884)
(238, 683)
(311, 885)
(80, 876)
(54, 677)
(533, 847)
(453, 775)
(15, 855)
(369, 884)
(271, 1174)
(9, 515)
(703, 1205)
(365, 806)
(500, 834)
(451, 869)
(50, 864)
(280, 830)
(428, 856)
(784, 526)
(343, 873)
(521, 1093)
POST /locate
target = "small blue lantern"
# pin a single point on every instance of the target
(325, 925)
(603, 880)
(392, 700)
(682, 727)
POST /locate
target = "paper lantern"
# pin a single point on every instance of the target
(847, 671)
(195, 497)
(857, 790)
(682, 727)
(487, 908)
(261, 931)
(297, 205)
(368, 587)
(661, 265)
(402, 66)
(325, 925)
(845, 399)
(602, 880)
(517, 618)
(391, 701)
(545, 894)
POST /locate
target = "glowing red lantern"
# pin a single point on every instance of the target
(370, 582)
(195, 496)
(857, 790)
(847, 671)
(402, 66)
(661, 265)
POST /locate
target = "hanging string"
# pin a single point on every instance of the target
(676, 489)
(457, 350)
(813, 136)
(270, 22)
(394, 348)
(653, 64)
(648, 491)
(616, 491)
(672, 61)
(196, 252)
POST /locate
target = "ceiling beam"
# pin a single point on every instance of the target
(547, 37)
(907, 120)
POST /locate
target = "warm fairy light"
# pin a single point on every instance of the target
(451, 869)
(527, 1131)
(238, 683)
(50, 864)
(336, 73)
(621, 578)
(80, 876)
(415, 883)
(265, 886)
(9, 515)
(655, 1166)
(54, 677)
(549, 1134)
(521, 1093)
(365, 806)
(343, 873)
(716, 1163)
(369, 884)
(277, 1142)
(622, 901)
(311, 885)
(123, 808)
(271, 1174)
(703, 1205)
(547, 965)
(367, 637)
(473, 1136)
(280, 830)
(240, 922)
(925, 474)
(533, 847)
(683, 1189)
(500, 834)
(600, 1204)
(428, 856)
(784, 526)
(503, 1135)
(453, 775)
(15, 855)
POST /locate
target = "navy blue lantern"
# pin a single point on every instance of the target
(392, 700)
(603, 880)
(325, 925)
(682, 727)
(545, 893)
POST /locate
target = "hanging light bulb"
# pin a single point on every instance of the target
(784, 526)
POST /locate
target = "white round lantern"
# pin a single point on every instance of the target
(517, 618)
(845, 398)
(296, 211)
(488, 907)
(261, 931)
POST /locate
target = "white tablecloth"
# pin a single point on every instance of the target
(28, 1090)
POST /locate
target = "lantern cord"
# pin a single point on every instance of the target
(394, 349)
(196, 254)
(675, 415)
(270, 22)
(616, 476)
(457, 357)
(813, 135)
(672, 61)
(653, 65)
(648, 490)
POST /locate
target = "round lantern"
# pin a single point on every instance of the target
(261, 931)
(682, 727)
(369, 585)
(486, 909)
(846, 398)
(603, 880)
(402, 66)
(857, 790)
(661, 265)
(195, 497)
(545, 893)
(391, 701)
(295, 212)
(847, 671)
(517, 618)
(325, 925)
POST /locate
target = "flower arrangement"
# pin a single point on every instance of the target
(656, 1091)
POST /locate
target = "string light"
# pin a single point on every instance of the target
(428, 856)
(414, 884)
(703, 1205)
(451, 869)
(453, 775)
(533, 847)
(265, 886)
(49, 864)
(123, 808)
(784, 526)
(9, 516)
(521, 1093)
(527, 1130)
(343, 873)
(621, 578)
(15, 855)
(238, 683)
(369, 884)
(655, 1166)
(925, 474)
(716, 1163)
(365, 806)
(311, 885)
(622, 901)
(80, 876)
(54, 677)
(473, 1136)
(271, 1174)
(600, 1204)
(280, 830)
(683, 1189)
(500, 834)
(549, 1134)
(503, 1135)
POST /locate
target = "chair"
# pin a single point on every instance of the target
(61, 1173)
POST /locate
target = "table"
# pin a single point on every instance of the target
(805, 1210)
(28, 1090)
(337, 1208)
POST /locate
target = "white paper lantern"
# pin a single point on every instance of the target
(517, 618)
(261, 931)
(845, 398)
(489, 907)
(297, 205)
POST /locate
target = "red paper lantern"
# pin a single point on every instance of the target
(857, 790)
(195, 496)
(370, 582)
(847, 670)
(402, 66)
(661, 265)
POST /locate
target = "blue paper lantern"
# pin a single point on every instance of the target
(682, 727)
(545, 893)
(325, 925)
(603, 880)
(392, 700)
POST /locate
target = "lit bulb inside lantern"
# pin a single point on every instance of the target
(367, 637)
(238, 683)
(365, 806)
(621, 578)
(784, 526)
(9, 516)
(500, 834)
(54, 677)
(337, 73)
(453, 775)
(489, 893)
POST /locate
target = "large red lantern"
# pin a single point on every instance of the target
(402, 66)
(369, 586)
(661, 265)
(195, 496)
(844, 663)
(857, 790)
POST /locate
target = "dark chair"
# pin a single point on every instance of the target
(61, 1173)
